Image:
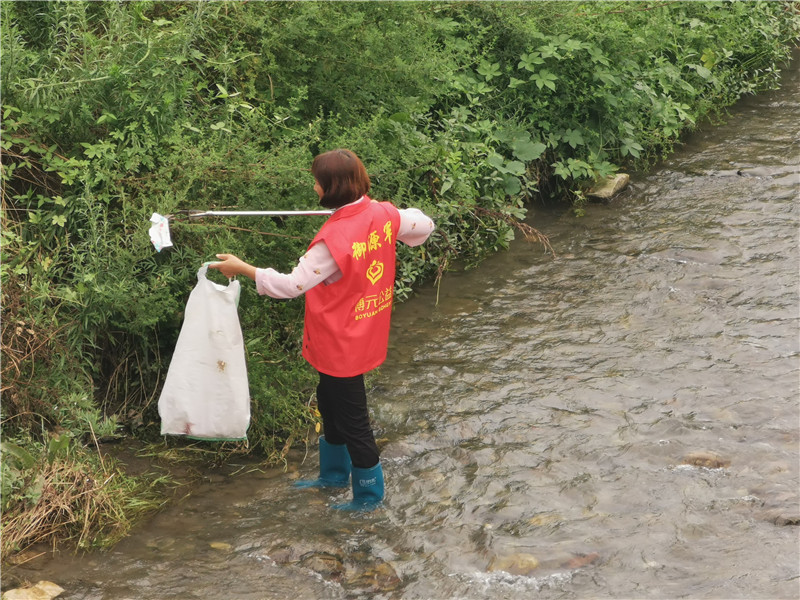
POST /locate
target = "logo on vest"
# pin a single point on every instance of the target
(375, 271)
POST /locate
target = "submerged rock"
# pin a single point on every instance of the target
(515, 564)
(787, 519)
(581, 560)
(330, 566)
(783, 516)
(359, 571)
(44, 590)
(707, 459)
(221, 546)
(543, 520)
(376, 578)
(285, 552)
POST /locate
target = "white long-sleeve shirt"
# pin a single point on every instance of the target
(318, 265)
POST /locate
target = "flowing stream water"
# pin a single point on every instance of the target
(618, 422)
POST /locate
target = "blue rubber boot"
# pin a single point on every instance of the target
(367, 489)
(334, 467)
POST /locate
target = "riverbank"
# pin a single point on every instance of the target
(157, 107)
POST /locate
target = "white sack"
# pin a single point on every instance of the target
(206, 394)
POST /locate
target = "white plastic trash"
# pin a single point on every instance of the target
(159, 232)
(206, 394)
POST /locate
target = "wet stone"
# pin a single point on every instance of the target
(581, 560)
(544, 520)
(707, 459)
(781, 507)
(282, 555)
(609, 187)
(515, 564)
(783, 518)
(376, 578)
(44, 590)
(26, 557)
(329, 566)
(284, 552)
(221, 546)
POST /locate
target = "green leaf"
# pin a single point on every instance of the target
(629, 146)
(560, 169)
(573, 137)
(106, 116)
(527, 150)
(512, 186)
(549, 50)
(223, 93)
(515, 167)
(34, 492)
(530, 61)
(597, 56)
(21, 457)
(489, 70)
(702, 71)
(9, 480)
(57, 446)
(544, 78)
(709, 58)
(446, 185)
(607, 78)
(495, 160)
(572, 45)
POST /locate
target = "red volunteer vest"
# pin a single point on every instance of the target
(347, 322)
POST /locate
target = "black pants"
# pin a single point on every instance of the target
(342, 402)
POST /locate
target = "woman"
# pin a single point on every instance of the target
(347, 275)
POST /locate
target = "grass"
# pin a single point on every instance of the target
(83, 499)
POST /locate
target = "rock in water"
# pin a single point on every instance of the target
(606, 189)
(44, 590)
(221, 546)
(380, 577)
(783, 517)
(328, 565)
(581, 560)
(515, 564)
(707, 459)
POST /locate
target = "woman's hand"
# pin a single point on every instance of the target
(232, 265)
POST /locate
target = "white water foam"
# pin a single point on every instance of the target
(500, 581)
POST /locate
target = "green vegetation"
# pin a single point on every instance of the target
(58, 490)
(112, 111)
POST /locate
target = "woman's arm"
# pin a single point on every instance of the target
(317, 265)
(415, 226)
(314, 267)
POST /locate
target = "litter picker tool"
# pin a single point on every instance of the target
(159, 231)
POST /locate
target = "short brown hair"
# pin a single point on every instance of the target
(342, 177)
